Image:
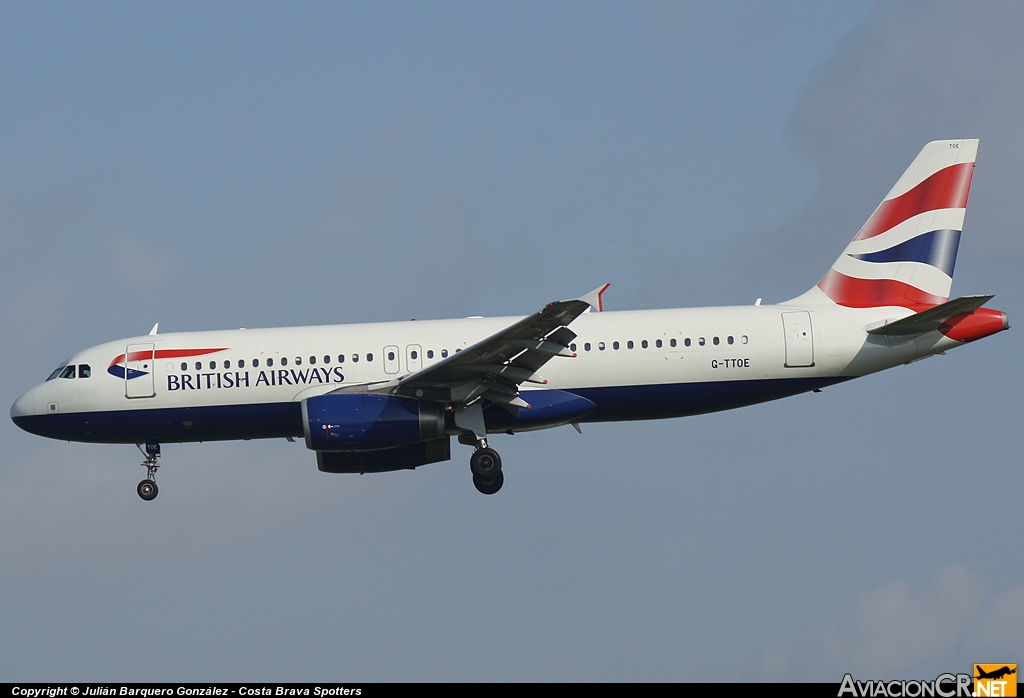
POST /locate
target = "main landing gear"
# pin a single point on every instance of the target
(486, 467)
(147, 488)
(485, 463)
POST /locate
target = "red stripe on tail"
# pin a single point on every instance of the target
(947, 188)
(873, 293)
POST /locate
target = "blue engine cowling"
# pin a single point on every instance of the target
(380, 461)
(365, 422)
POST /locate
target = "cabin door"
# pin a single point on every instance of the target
(799, 339)
(139, 368)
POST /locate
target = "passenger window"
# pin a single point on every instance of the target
(84, 371)
(729, 339)
(341, 358)
(199, 365)
(743, 339)
(672, 342)
(369, 357)
(355, 358)
(629, 344)
(657, 343)
(586, 346)
(68, 372)
(284, 360)
(298, 360)
(415, 355)
(227, 364)
(444, 353)
(600, 345)
(184, 366)
(255, 363)
(715, 340)
(430, 353)
(327, 358)
(643, 344)
(241, 363)
(615, 346)
(686, 342)
(572, 347)
(391, 356)
(700, 341)
(312, 359)
(270, 362)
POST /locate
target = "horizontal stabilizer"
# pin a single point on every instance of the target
(931, 319)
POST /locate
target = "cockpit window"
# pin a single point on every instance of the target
(56, 372)
(68, 372)
(84, 370)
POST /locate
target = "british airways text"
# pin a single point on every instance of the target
(243, 379)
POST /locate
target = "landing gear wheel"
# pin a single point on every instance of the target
(148, 490)
(489, 485)
(485, 464)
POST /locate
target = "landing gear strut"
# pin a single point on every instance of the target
(147, 488)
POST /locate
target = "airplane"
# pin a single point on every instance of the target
(389, 396)
(995, 674)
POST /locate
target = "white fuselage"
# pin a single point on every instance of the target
(631, 364)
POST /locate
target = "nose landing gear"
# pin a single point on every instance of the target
(147, 489)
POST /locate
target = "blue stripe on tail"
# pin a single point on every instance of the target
(937, 248)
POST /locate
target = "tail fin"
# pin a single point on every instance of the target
(905, 253)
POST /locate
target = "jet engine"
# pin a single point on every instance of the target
(367, 422)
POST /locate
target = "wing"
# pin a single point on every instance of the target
(494, 368)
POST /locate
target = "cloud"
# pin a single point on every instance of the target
(897, 630)
(894, 627)
(912, 73)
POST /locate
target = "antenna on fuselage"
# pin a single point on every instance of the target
(152, 332)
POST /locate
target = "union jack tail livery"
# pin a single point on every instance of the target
(905, 252)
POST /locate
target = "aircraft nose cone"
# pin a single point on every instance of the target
(24, 406)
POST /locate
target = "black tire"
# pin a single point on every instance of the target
(485, 463)
(148, 490)
(489, 485)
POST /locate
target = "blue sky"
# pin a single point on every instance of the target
(268, 164)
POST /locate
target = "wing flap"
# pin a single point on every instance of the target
(493, 368)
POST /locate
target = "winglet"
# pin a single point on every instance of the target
(594, 298)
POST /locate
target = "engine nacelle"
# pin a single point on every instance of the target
(365, 422)
(399, 458)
